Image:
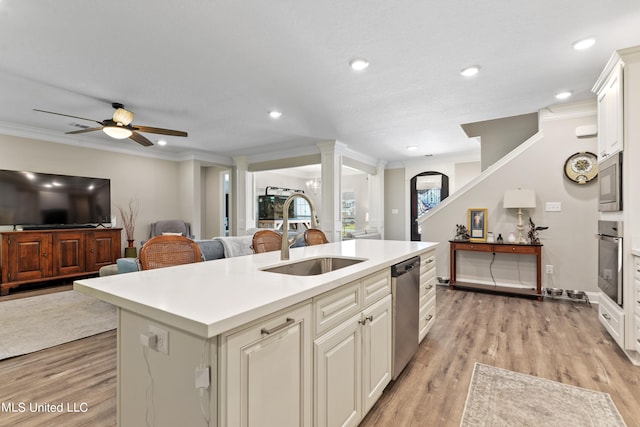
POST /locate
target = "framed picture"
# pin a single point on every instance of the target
(477, 220)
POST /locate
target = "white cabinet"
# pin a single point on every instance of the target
(612, 317)
(376, 351)
(266, 371)
(427, 293)
(610, 114)
(352, 351)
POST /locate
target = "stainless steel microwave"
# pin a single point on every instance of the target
(610, 184)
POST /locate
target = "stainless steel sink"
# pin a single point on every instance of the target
(314, 266)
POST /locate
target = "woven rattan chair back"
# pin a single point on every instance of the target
(165, 251)
(266, 241)
(313, 236)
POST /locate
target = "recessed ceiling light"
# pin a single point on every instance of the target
(275, 114)
(584, 43)
(470, 71)
(162, 142)
(412, 147)
(359, 64)
(563, 95)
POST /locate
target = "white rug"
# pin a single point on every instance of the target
(36, 323)
(498, 397)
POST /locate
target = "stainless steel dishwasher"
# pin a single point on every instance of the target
(405, 287)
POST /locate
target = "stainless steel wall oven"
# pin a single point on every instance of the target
(610, 259)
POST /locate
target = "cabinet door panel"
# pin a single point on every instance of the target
(376, 351)
(69, 248)
(338, 363)
(266, 372)
(103, 248)
(29, 257)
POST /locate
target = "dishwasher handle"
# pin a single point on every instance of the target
(405, 267)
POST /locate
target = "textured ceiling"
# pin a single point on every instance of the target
(214, 68)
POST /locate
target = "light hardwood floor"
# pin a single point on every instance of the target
(554, 339)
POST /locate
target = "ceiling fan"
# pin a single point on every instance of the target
(120, 127)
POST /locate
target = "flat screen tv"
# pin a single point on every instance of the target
(41, 200)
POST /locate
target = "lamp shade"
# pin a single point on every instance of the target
(519, 199)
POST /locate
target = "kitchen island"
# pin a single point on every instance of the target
(226, 343)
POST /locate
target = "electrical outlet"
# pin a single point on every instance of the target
(549, 269)
(162, 340)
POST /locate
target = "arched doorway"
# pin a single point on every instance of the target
(427, 190)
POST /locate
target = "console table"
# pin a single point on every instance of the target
(510, 248)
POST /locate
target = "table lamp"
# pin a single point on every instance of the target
(519, 199)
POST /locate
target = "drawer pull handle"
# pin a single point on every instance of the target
(431, 286)
(429, 317)
(265, 331)
(430, 260)
(364, 321)
(606, 316)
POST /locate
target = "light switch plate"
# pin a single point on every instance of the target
(553, 206)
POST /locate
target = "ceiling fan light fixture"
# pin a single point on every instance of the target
(117, 132)
(122, 116)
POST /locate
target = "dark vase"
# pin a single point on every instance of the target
(130, 251)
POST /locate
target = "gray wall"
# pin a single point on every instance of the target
(154, 182)
(396, 209)
(569, 243)
(500, 136)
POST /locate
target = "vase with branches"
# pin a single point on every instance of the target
(128, 216)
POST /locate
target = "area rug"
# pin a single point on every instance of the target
(498, 397)
(35, 323)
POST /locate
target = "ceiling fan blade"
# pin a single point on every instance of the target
(160, 131)
(73, 132)
(67, 115)
(140, 139)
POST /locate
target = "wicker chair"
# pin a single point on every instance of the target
(313, 236)
(266, 241)
(165, 251)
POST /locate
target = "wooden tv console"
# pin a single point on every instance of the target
(43, 255)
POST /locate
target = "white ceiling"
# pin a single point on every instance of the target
(214, 68)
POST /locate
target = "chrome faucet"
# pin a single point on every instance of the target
(284, 252)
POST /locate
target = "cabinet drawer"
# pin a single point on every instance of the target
(427, 292)
(427, 262)
(336, 306)
(473, 247)
(516, 249)
(376, 286)
(427, 317)
(612, 317)
(427, 272)
(636, 269)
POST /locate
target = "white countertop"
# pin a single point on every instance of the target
(209, 298)
(635, 251)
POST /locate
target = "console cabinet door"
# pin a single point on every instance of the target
(69, 253)
(103, 248)
(29, 257)
(267, 372)
(338, 370)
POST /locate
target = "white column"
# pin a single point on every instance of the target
(331, 175)
(376, 199)
(242, 215)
